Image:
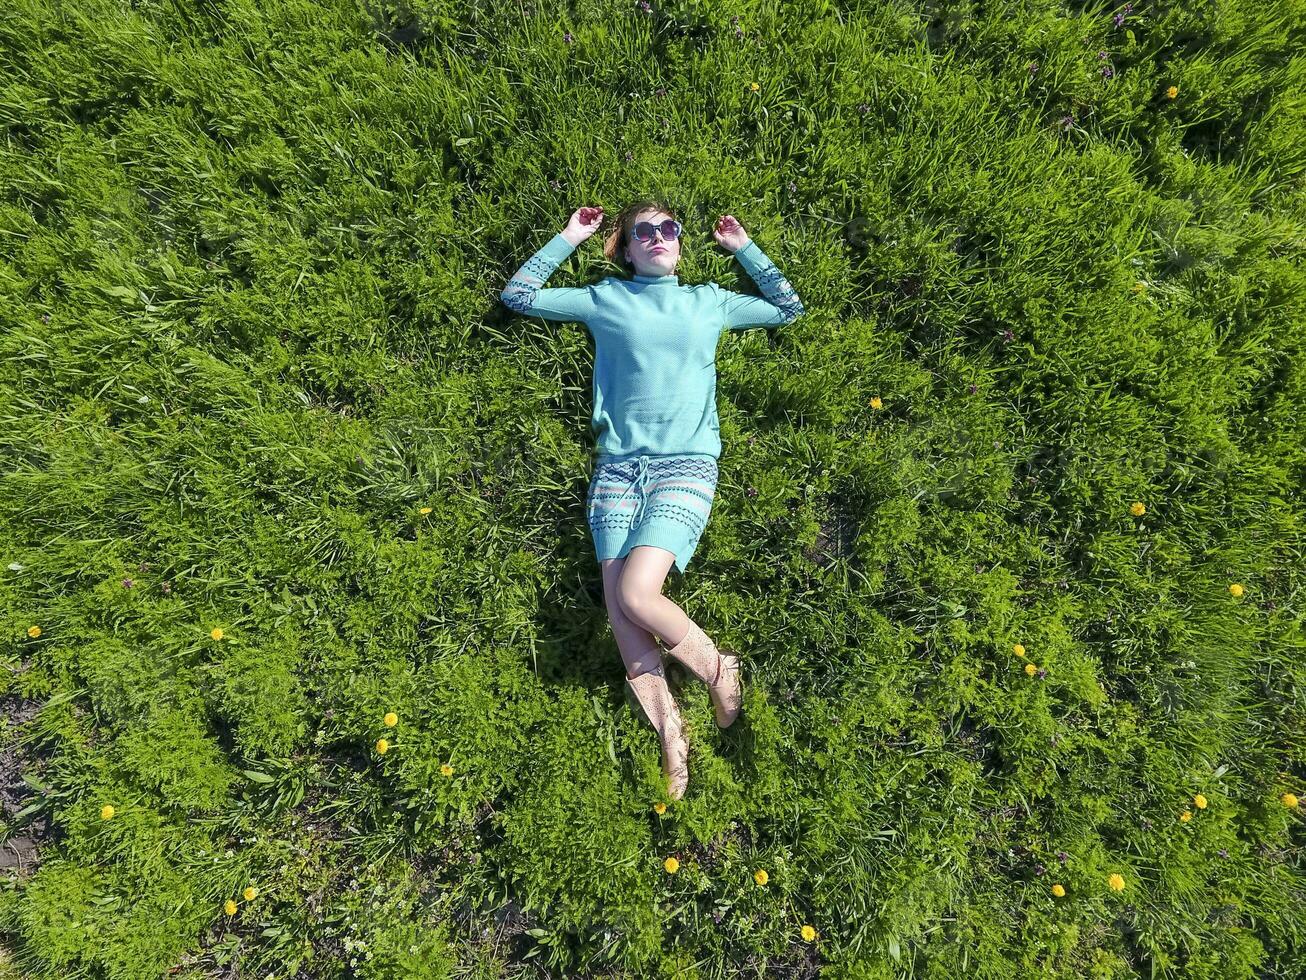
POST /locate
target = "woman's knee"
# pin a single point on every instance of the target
(634, 597)
(616, 612)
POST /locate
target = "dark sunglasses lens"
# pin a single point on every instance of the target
(644, 231)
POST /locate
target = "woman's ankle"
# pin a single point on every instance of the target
(642, 669)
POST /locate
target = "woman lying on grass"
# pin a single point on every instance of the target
(655, 420)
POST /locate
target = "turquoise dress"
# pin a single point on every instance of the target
(654, 413)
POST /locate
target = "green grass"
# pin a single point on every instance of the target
(250, 255)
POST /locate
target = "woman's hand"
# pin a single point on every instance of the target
(584, 222)
(730, 234)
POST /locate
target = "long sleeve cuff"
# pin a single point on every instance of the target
(752, 258)
(556, 249)
(770, 280)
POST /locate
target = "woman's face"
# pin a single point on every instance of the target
(655, 257)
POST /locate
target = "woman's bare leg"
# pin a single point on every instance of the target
(640, 594)
(647, 679)
(639, 648)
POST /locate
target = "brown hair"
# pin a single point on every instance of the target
(618, 235)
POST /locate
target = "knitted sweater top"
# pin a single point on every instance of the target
(655, 346)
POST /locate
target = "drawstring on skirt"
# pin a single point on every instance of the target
(641, 481)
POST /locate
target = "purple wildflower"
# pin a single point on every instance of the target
(1224, 852)
(127, 583)
(1119, 19)
(1042, 672)
(1067, 122)
(567, 37)
(1040, 870)
(792, 187)
(1008, 335)
(972, 389)
(863, 108)
(1101, 56)
(752, 491)
(1106, 71)
(1033, 67)
(1063, 857)
(166, 588)
(629, 156)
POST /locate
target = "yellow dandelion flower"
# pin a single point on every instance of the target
(1116, 882)
(391, 719)
(1172, 91)
(1031, 669)
(1059, 891)
(107, 812)
(1288, 800)
(382, 745)
(809, 933)
(446, 770)
(1186, 816)
(672, 865)
(1018, 650)
(230, 907)
(249, 893)
(876, 403)
(1137, 509)
(1236, 589)
(659, 808)
(1199, 801)
(1139, 286)
(755, 86)
(760, 876)
(425, 510)
(217, 633)
(33, 631)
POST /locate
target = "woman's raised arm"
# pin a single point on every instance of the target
(525, 292)
(739, 310)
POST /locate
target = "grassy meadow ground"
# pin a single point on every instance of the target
(278, 462)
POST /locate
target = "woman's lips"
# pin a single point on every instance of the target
(656, 250)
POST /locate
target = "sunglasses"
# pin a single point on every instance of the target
(670, 231)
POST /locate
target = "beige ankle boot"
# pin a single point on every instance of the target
(720, 672)
(660, 710)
